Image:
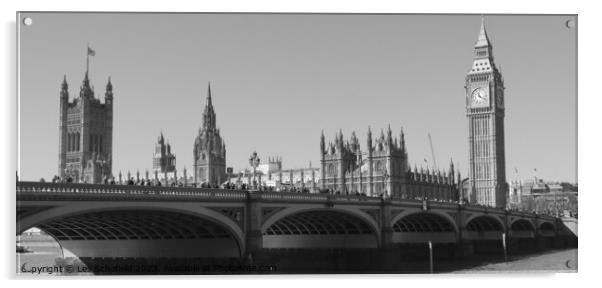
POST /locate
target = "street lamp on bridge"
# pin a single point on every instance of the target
(254, 162)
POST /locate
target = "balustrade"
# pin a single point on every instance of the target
(168, 192)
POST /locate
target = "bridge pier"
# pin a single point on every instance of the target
(254, 237)
(543, 243)
(389, 251)
(465, 248)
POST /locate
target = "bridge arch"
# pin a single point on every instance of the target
(483, 227)
(79, 228)
(522, 225)
(484, 222)
(522, 228)
(547, 229)
(317, 227)
(422, 226)
(440, 214)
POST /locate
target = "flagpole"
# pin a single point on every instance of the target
(88, 59)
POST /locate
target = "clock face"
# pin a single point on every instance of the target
(480, 97)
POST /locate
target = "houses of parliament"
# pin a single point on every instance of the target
(380, 168)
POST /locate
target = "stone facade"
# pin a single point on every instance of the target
(209, 149)
(485, 111)
(271, 174)
(86, 129)
(163, 161)
(382, 170)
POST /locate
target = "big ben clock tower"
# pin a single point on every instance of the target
(485, 111)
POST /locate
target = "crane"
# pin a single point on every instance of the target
(432, 151)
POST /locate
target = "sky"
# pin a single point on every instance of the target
(278, 80)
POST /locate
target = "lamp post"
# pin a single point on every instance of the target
(254, 162)
(461, 191)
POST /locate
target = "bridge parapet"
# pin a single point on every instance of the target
(38, 190)
(32, 189)
(289, 196)
(313, 197)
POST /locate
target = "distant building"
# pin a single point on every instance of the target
(209, 149)
(382, 169)
(542, 196)
(271, 174)
(85, 134)
(163, 160)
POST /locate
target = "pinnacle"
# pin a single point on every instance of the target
(482, 40)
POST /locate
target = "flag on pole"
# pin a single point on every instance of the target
(91, 52)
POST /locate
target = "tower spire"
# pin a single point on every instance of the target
(109, 85)
(64, 85)
(209, 94)
(403, 141)
(483, 39)
(209, 113)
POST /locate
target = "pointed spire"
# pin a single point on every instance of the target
(322, 142)
(86, 90)
(64, 88)
(64, 85)
(209, 114)
(403, 141)
(389, 136)
(483, 39)
(209, 94)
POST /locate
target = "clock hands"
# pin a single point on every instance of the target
(481, 95)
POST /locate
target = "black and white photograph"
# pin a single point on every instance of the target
(295, 143)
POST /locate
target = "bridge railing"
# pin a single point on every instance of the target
(291, 196)
(35, 189)
(40, 188)
(315, 197)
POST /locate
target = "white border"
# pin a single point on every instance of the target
(589, 101)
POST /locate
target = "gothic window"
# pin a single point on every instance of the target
(331, 169)
(379, 166)
(77, 139)
(68, 142)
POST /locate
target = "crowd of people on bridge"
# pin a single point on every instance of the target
(281, 188)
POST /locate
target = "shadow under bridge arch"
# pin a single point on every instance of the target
(421, 227)
(522, 228)
(320, 228)
(139, 232)
(484, 227)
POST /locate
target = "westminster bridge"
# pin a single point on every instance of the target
(117, 221)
